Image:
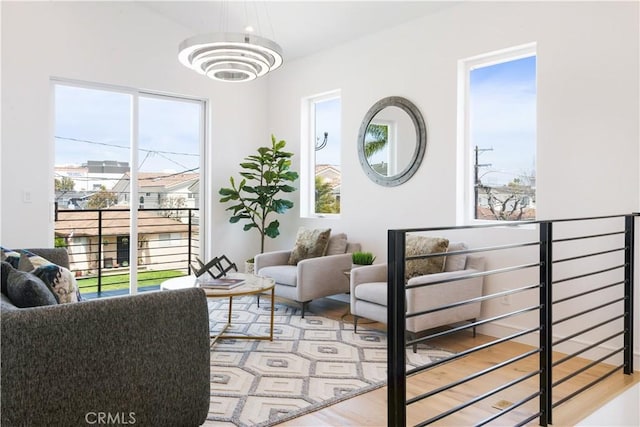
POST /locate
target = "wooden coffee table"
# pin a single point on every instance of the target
(253, 285)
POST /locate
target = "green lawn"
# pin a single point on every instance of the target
(121, 281)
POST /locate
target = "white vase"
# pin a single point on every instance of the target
(248, 267)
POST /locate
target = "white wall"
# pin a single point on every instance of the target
(117, 43)
(588, 136)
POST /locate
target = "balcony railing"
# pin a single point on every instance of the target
(564, 288)
(98, 242)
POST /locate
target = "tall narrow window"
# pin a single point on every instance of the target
(321, 177)
(500, 135)
(104, 220)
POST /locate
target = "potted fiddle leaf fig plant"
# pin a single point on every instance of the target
(258, 195)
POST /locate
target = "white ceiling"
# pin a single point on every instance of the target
(299, 27)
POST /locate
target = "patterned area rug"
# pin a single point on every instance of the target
(310, 364)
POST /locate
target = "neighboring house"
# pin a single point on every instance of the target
(160, 190)
(87, 179)
(332, 175)
(162, 242)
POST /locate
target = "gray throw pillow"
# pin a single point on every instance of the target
(337, 244)
(26, 290)
(6, 268)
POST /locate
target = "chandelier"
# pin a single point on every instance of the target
(230, 57)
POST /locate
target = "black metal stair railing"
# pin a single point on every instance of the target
(548, 311)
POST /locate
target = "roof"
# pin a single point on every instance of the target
(161, 179)
(114, 222)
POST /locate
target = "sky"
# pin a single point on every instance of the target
(328, 119)
(94, 124)
(503, 119)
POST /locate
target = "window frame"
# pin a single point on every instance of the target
(465, 155)
(307, 153)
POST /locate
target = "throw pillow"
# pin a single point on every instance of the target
(421, 245)
(27, 290)
(60, 280)
(10, 256)
(6, 268)
(337, 244)
(455, 262)
(309, 244)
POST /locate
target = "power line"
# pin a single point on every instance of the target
(124, 146)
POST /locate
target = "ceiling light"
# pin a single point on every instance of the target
(230, 57)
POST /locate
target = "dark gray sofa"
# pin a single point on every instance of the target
(140, 360)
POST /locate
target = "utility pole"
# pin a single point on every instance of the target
(476, 182)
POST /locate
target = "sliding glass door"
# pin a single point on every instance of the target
(122, 237)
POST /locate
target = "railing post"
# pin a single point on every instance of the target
(629, 246)
(546, 318)
(396, 374)
(189, 211)
(99, 251)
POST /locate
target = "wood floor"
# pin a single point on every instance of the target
(370, 409)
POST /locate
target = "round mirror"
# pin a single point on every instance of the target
(392, 141)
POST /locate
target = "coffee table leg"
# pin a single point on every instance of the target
(230, 307)
(272, 308)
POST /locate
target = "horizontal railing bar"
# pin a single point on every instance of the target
(528, 420)
(476, 250)
(582, 313)
(591, 384)
(580, 276)
(591, 291)
(472, 325)
(592, 254)
(470, 351)
(479, 398)
(502, 224)
(510, 408)
(589, 236)
(587, 367)
(473, 300)
(567, 338)
(473, 275)
(472, 377)
(579, 352)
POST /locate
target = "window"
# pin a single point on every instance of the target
(321, 175)
(119, 137)
(499, 116)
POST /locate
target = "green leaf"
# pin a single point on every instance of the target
(249, 226)
(281, 205)
(287, 188)
(272, 229)
(270, 176)
(250, 166)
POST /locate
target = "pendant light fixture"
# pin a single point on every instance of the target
(230, 57)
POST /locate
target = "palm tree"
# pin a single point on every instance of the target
(376, 139)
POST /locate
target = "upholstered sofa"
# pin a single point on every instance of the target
(310, 278)
(140, 360)
(369, 292)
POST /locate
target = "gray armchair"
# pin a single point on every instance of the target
(311, 278)
(369, 293)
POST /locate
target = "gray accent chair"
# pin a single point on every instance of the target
(311, 278)
(142, 359)
(368, 297)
